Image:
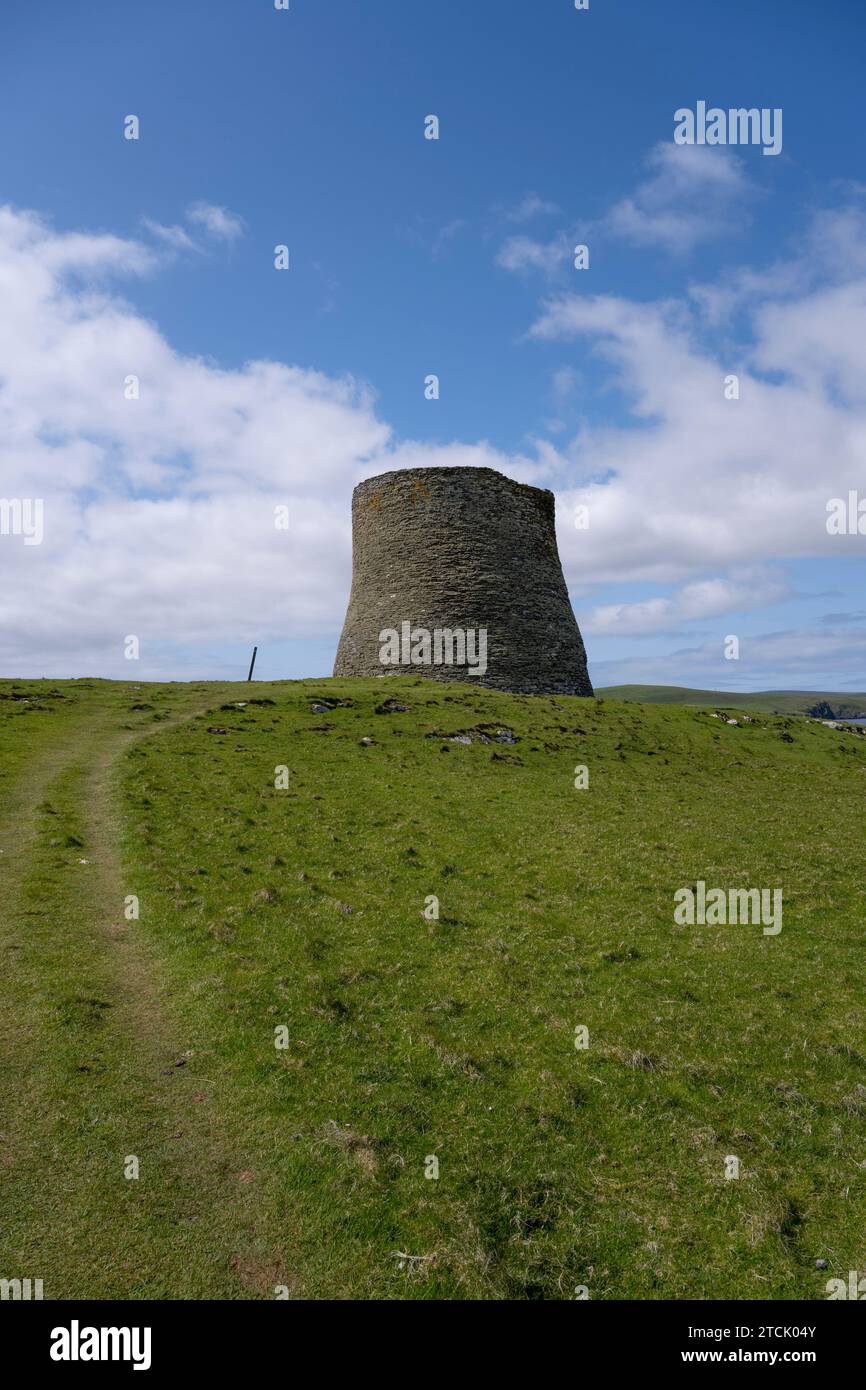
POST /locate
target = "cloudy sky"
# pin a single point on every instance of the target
(261, 388)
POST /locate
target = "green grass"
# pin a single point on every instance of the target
(828, 705)
(408, 1037)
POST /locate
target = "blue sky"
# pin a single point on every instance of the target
(409, 257)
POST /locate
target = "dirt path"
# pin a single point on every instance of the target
(95, 1073)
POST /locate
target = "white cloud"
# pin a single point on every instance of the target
(530, 207)
(697, 483)
(523, 253)
(832, 251)
(694, 193)
(173, 236)
(159, 512)
(703, 599)
(218, 222)
(446, 235)
(565, 383)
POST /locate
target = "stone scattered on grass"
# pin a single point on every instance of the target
(323, 705)
(480, 733)
(391, 707)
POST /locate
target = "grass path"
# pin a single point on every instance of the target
(94, 1067)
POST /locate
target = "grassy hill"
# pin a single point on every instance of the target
(825, 704)
(302, 1169)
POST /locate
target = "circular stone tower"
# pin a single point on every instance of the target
(456, 575)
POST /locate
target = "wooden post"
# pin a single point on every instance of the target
(252, 664)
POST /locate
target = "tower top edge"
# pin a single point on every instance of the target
(444, 473)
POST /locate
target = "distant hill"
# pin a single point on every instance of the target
(820, 703)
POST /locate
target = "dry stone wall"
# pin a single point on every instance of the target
(440, 551)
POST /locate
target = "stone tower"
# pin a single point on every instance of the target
(442, 555)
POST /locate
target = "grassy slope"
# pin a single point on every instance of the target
(844, 706)
(410, 1038)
